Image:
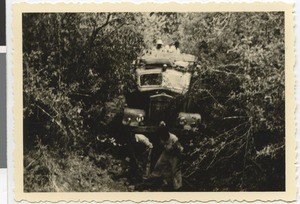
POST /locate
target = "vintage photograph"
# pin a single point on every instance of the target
(155, 101)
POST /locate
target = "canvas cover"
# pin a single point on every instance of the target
(176, 81)
(167, 58)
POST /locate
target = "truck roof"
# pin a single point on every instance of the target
(152, 61)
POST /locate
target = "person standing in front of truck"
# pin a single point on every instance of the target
(167, 166)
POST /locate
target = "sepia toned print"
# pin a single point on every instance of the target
(154, 102)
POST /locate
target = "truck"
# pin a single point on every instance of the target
(161, 79)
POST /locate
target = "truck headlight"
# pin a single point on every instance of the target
(182, 121)
(140, 118)
(128, 120)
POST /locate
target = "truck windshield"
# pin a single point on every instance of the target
(151, 79)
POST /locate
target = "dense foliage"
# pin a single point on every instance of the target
(73, 64)
(77, 68)
(240, 91)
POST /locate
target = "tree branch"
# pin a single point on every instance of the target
(96, 31)
(54, 120)
(108, 34)
(225, 145)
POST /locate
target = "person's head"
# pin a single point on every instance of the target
(163, 131)
(159, 44)
(176, 44)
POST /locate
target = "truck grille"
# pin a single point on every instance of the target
(159, 109)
